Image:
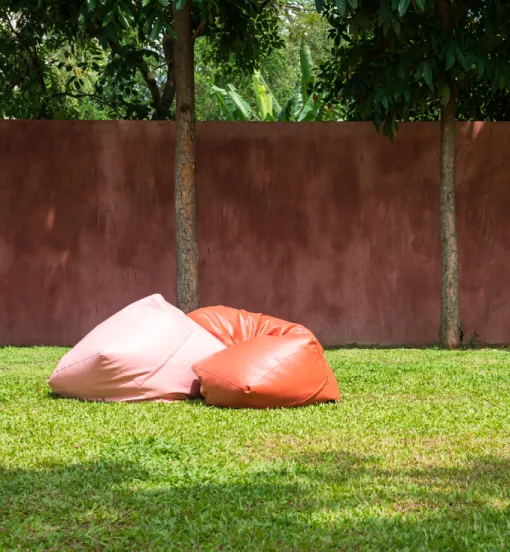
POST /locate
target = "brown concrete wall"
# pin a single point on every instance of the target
(330, 225)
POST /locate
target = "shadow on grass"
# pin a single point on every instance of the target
(326, 501)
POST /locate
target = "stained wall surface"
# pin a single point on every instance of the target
(330, 225)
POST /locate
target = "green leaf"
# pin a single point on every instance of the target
(377, 120)
(418, 74)
(421, 5)
(427, 74)
(220, 96)
(319, 5)
(168, 29)
(382, 99)
(156, 29)
(285, 114)
(462, 58)
(180, 4)
(241, 104)
(123, 20)
(450, 58)
(268, 107)
(108, 18)
(145, 3)
(305, 61)
(307, 109)
(147, 26)
(353, 4)
(403, 7)
(313, 114)
(260, 94)
(127, 10)
(91, 4)
(341, 6)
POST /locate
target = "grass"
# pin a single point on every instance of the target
(416, 457)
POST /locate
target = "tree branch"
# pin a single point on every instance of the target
(152, 83)
(199, 30)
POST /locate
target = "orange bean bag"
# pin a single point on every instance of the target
(268, 363)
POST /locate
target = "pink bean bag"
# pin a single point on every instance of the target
(143, 353)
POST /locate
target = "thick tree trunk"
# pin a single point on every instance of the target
(450, 301)
(188, 293)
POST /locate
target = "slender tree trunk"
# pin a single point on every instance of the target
(169, 88)
(450, 301)
(188, 293)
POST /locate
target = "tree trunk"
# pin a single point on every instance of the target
(450, 301)
(169, 88)
(188, 293)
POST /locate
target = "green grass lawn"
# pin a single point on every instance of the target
(416, 457)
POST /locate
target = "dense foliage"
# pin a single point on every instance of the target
(86, 59)
(397, 60)
(304, 106)
(53, 64)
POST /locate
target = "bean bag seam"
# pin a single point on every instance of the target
(279, 364)
(219, 377)
(168, 357)
(318, 346)
(77, 362)
(117, 368)
(262, 377)
(313, 394)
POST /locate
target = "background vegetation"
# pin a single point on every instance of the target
(51, 71)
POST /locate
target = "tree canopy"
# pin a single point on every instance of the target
(116, 58)
(53, 65)
(400, 60)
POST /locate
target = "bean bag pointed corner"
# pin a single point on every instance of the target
(268, 363)
(145, 352)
